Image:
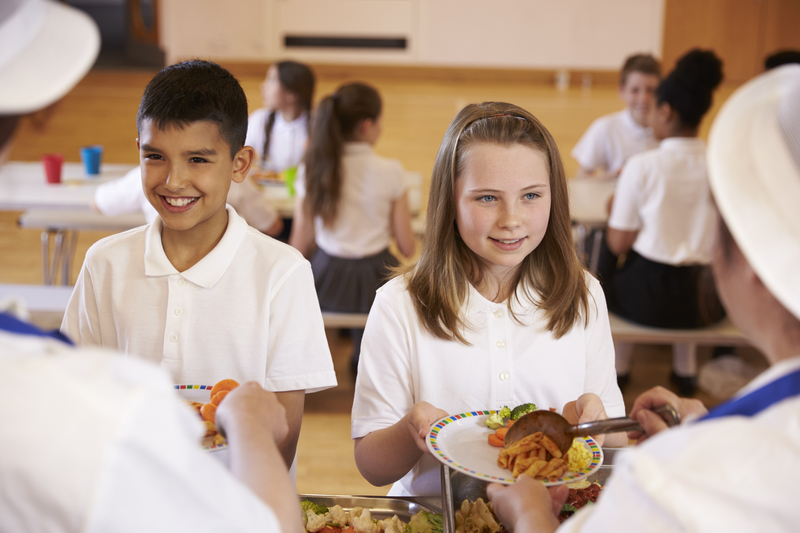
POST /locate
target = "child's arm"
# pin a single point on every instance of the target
(293, 402)
(302, 236)
(401, 226)
(386, 455)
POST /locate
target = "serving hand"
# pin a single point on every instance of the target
(527, 505)
(651, 423)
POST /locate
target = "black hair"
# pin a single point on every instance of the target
(192, 91)
(298, 79)
(783, 57)
(688, 88)
(336, 121)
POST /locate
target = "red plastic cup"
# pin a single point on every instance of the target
(52, 167)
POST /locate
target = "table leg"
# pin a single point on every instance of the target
(45, 256)
(66, 257)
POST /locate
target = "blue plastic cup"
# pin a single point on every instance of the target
(91, 157)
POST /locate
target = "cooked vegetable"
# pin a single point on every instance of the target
(496, 420)
(523, 409)
(309, 505)
(425, 522)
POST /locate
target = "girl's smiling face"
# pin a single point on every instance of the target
(503, 204)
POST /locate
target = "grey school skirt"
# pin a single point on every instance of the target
(348, 285)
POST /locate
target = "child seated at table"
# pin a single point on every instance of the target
(612, 139)
(663, 219)
(199, 291)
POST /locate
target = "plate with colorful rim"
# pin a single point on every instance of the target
(200, 393)
(462, 443)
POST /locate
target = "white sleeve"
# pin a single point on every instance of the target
(255, 131)
(121, 196)
(252, 205)
(81, 321)
(601, 376)
(625, 213)
(591, 151)
(385, 385)
(299, 357)
(157, 478)
(398, 180)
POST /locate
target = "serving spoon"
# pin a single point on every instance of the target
(561, 432)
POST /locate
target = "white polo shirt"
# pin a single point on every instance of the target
(124, 195)
(505, 364)
(370, 185)
(611, 140)
(664, 195)
(96, 442)
(247, 310)
(287, 142)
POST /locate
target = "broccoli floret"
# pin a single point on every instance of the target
(496, 420)
(307, 505)
(523, 409)
(425, 522)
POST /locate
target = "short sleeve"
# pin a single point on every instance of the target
(399, 182)
(591, 151)
(298, 356)
(625, 213)
(81, 322)
(255, 131)
(384, 387)
(122, 196)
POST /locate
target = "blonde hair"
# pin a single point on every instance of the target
(439, 281)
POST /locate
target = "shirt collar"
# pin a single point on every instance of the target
(627, 117)
(776, 371)
(357, 148)
(300, 122)
(688, 144)
(477, 303)
(209, 269)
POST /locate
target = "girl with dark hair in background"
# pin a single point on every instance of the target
(349, 204)
(662, 219)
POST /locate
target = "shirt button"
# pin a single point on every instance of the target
(504, 376)
(501, 344)
(179, 311)
(173, 338)
(181, 282)
(498, 313)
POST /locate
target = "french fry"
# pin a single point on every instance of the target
(553, 465)
(535, 468)
(551, 447)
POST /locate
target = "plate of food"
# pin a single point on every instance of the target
(462, 442)
(204, 399)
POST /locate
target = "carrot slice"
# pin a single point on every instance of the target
(217, 398)
(208, 412)
(494, 440)
(501, 433)
(510, 423)
(225, 384)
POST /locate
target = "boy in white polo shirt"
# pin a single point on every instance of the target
(199, 291)
(612, 139)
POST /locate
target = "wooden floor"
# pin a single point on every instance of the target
(102, 110)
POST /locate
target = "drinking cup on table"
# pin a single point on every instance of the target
(52, 167)
(91, 157)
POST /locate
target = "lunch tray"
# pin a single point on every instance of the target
(379, 507)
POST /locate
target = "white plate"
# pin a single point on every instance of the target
(461, 442)
(200, 393)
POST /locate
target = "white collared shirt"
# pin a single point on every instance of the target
(370, 185)
(247, 310)
(664, 195)
(96, 442)
(506, 364)
(287, 141)
(611, 140)
(734, 473)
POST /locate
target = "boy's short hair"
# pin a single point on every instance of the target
(196, 90)
(644, 63)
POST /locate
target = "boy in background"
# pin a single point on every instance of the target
(612, 139)
(199, 291)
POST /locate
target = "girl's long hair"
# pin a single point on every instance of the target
(551, 276)
(298, 79)
(337, 117)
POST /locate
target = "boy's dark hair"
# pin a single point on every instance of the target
(644, 63)
(689, 87)
(192, 91)
(784, 57)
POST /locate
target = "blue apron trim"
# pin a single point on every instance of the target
(13, 325)
(758, 400)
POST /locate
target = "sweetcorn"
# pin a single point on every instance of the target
(578, 457)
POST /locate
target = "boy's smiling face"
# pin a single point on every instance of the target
(186, 174)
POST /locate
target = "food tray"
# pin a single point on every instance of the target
(379, 507)
(457, 487)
